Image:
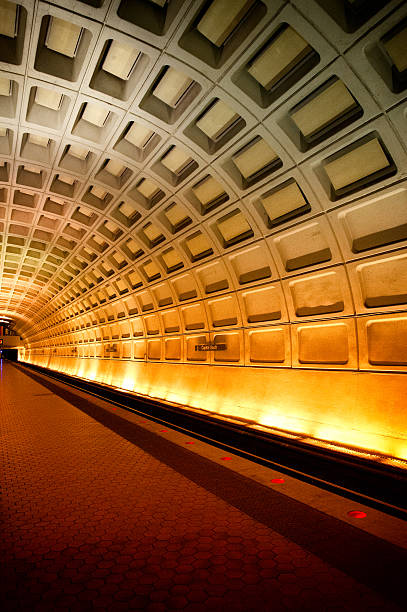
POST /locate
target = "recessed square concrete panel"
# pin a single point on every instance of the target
(171, 260)
(9, 94)
(262, 305)
(379, 283)
(171, 87)
(170, 321)
(137, 141)
(155, 16)
(97, 196)
(282, 60)
(374, 224)
(152, 234)
(177, 217)
(48, 107)
(30, 176)
(13, 23)
(286, 50)
(146, 192)
(5, 169)
(120, 60)
(61, 46)
(94, 121)
(284, 202)
(126, 213)
(65, 185)
(170, 94)
(324, 344)
(38, 148)
(394, 43)
(371, 59)
(209, 194)
(198, 247)
(252, 264)
(369, 157)
(223, 312)
(254, 162)
(77, 158)
(326, 110)
(176, 160)
(303, 246)
(383, 341)
(319, 294)
(218, 28)
(349, 17)
(217, 124)
(267, 346)
(364, 162)
(175, 165)
(114, 173)
(120, 67)
(232, 352)
(233, 228)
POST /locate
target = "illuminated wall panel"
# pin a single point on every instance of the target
(190, 173)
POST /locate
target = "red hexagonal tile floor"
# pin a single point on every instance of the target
(100, 513)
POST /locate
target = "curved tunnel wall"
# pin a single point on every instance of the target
(186, 174)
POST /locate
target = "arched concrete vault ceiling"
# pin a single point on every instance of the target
(184, 172)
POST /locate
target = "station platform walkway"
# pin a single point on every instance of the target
(106, 509)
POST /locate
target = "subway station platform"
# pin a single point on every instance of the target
(106, 509)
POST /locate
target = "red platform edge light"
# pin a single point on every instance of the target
(189, 442)
(277, 480)
(226, 458)
(357, 514)
(162, 430)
